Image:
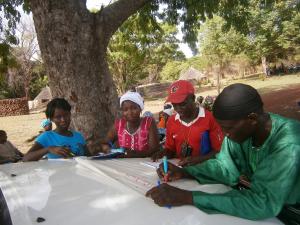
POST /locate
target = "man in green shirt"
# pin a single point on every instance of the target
(260, 152)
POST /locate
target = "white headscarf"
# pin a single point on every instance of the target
(168, 111)
(134, 97)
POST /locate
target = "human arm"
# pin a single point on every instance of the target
(19, 154)
(270, 187)
(163, 152)
(37, 151)
(7, 160)
(174, 172)
(15, 155)
(193, 160)
(166, 195)
(107, 142)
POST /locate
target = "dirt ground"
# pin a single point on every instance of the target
(280, 94)
(284, 101)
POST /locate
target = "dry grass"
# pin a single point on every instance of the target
(21, 128)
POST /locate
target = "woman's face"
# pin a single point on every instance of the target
(131, 111)
(62, 119)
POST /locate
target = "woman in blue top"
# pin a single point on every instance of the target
(61, 142)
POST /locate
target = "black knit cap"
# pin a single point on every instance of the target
(236, 102)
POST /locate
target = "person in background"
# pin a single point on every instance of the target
(260, 159)
(137, 135)
(200, 100)
(148, 113)
(163, 117)
(46, 124)
(192, 134)
(162, 124)
(208, 103)
(60, 142)
(8, 152)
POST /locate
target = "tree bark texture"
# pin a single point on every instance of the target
(73, 44)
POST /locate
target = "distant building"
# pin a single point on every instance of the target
(192, 74)
(43, 97)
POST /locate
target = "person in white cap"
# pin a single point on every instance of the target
(137, 135)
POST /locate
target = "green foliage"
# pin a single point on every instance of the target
(10, 16)
(37, 84)
(139, 50)
(192, 13)
(142, 46)
(171, 70)
(7, 60)
(218, 45)
(289, 39)
(273, 33)
(9, 92)
(274, 27)
(39, 80)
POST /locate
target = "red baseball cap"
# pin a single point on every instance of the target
(179, 90)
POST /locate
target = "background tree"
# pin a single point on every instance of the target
(172, 70)
(26, 53)
(289, 39)
(74, 42)
(220, 46)
(139, 50)
(10, 16)
(269, 22)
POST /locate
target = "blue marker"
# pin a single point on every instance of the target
(165, 164)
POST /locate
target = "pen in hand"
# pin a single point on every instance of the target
(165, 164)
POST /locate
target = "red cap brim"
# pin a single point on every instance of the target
(176, 98)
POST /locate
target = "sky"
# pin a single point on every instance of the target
(183, 46)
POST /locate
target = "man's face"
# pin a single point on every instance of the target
(237, 130)
(185, 108)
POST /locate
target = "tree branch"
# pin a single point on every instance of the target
(116, 13)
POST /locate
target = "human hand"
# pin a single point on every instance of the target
(105, 148)
(61, 150)
(188, 161)
(174, 172)
(11, 160)
(15, 159)
(166, 195)
(157, 155)
(244, 180)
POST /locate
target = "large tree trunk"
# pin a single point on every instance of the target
(73, 44)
